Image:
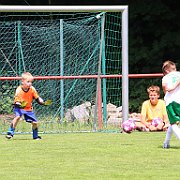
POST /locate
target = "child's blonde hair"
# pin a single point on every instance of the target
(27, 75)
(168, 66)
(153, 89)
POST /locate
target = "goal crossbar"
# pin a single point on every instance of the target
(34, 8)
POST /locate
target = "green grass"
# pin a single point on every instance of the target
(89, 156)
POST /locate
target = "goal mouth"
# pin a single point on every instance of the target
(76, 55)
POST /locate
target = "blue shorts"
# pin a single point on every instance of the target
(29, 116)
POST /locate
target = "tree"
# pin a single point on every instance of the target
(154, 37)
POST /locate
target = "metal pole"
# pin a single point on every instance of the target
(125, 80)
(34, 8)
(104, 79)
(62, 68)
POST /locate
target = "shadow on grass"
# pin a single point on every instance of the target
(172, 147)
(127, 144)
(21, 139)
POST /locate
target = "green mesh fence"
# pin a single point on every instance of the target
(66, 44)
(113, 57)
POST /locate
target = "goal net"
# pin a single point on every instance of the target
(66, 52)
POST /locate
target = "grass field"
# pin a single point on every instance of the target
(89, 156)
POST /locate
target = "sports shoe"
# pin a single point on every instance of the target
(38, 138)
(9, 136)
(166, 146)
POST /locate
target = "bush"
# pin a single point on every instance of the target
(6, 100)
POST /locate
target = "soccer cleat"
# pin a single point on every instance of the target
(9, 136)
(37, 138)
(166, 146)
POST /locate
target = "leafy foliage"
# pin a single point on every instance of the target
(6, 100)
(154, 38)
(138, 92)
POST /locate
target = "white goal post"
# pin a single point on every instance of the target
(124, 31)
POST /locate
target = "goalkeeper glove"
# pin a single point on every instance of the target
(48, 102)
(21, 105)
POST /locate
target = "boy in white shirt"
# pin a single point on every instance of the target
(171, 88)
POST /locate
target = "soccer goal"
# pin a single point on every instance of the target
(79, 58)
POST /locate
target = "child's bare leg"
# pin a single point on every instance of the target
(15, 121)
(160, 127)
(152, 128)
(140, 126)
(157, 128)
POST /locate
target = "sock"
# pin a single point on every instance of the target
(11, 130)
(176, 130)
(35, 133)
(168, 135)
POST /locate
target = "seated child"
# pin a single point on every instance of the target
(151, 109)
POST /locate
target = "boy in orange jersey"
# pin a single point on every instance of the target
(153, 108)
(24, 95)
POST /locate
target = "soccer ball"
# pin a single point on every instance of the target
(128, 126)
(156, 121)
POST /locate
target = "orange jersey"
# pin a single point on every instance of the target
(21, 95)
